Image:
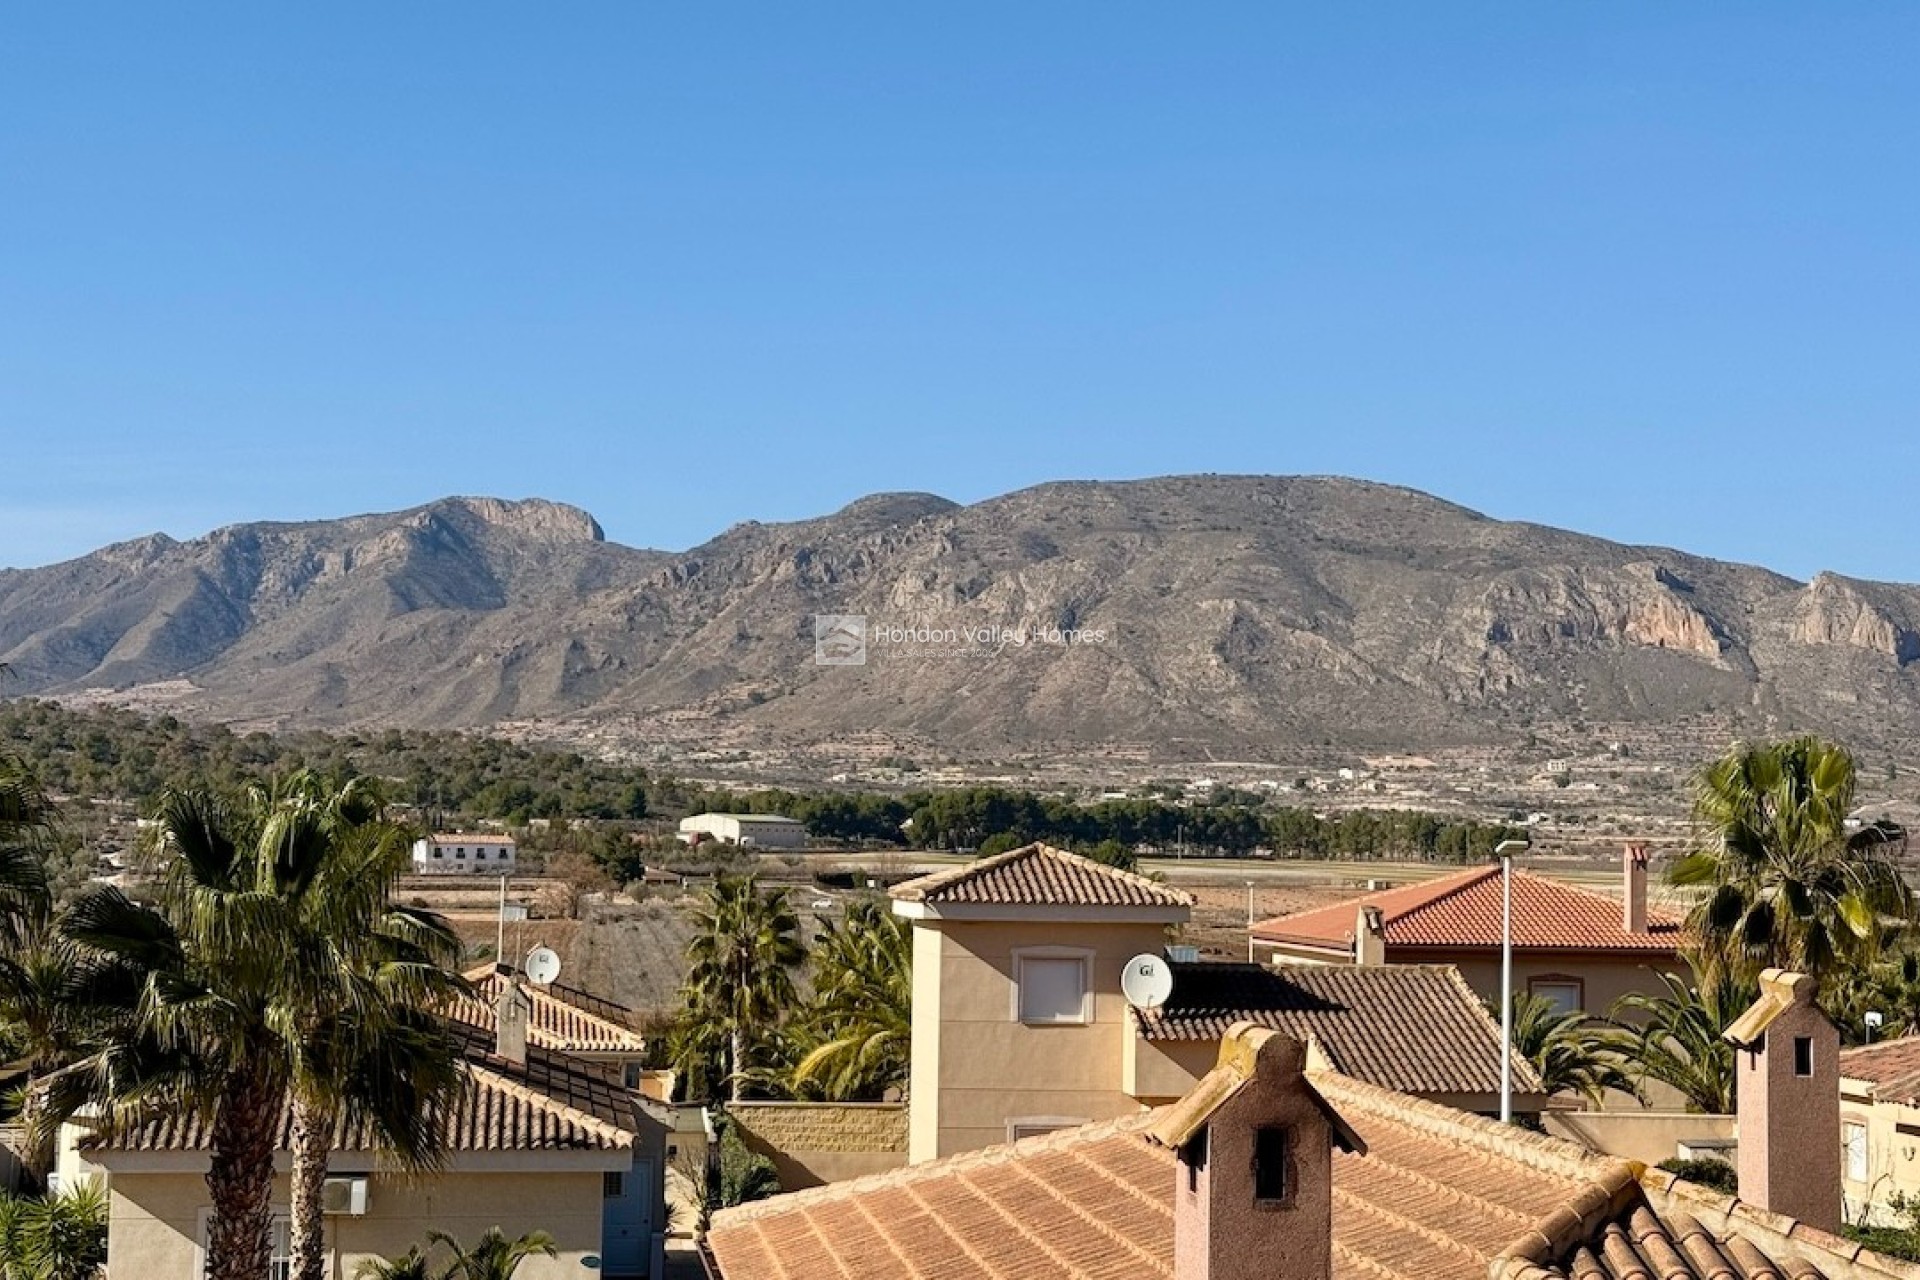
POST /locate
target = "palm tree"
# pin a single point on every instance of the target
(862, 1019)
(26, 820)
(44, 1025)
(375, 1051)
(1571, 1052)
(744, 948)
(411, 1265)
(492, 1256)
(1679, 1038)
(1791, 886)
(241, 987)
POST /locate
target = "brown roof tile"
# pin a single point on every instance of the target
(1438, 1196)
(1463, 911)
(1040, 875)
(549, 1103)
(1419, 1029)
(1892, 1067)
(567, 1019)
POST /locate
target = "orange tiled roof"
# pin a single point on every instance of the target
(1462, 911)
(1040, 875)
(1892, 1067)
(1439, 1196)
(566, 1019)
(1416, 1028)
(467, 837)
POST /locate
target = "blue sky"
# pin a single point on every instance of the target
(1648, 271)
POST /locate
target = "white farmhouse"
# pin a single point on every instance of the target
(463, 853)
(759, 830)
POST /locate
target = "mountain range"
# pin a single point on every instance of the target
(1179, 616)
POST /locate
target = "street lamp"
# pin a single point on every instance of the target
(1505, 851)
(1249, 922)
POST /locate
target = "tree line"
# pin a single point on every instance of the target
(113, 754)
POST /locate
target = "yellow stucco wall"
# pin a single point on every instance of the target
(1159, 1071)
(812, 1143)
(155, 1217)
(981, 1069)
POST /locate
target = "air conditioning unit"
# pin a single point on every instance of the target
(345, 1196)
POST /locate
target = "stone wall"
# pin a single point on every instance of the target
(814, 1143)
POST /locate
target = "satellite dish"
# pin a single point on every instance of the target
(1147, 981)
(543, 966)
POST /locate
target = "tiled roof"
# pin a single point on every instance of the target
(566, 1019)
(551, 1103)
(1438, 1196)
(1415, 1028)
(1463, 911)
(1040, 875)
(1892, 1067)
(467, 837)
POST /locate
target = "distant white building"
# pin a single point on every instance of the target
(463, 853)
(759, 830)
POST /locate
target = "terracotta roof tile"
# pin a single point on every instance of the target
(567, 1019)
(1463, 911)
(1419, 1029)
(1040, 875)
(1438, 1196)
(549, 1103)
(1892, 1067)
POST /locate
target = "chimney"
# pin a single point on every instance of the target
(1254, 1142)
(1634, 863)
(1787, 1078)
(1369, 936)
(511, 1013)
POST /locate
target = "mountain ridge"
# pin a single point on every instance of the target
(1235, 612)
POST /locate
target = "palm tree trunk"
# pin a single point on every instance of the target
(737, 1050)
(240, 1177)
(312, 1144)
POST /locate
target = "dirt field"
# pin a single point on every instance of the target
(1219, 926)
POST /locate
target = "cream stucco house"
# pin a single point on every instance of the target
(1880, 1126)
(1020, 1026)
(541, 1140)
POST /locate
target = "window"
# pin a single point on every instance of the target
(1563, 995)
(1034, 1126)
(630, 1075)
(1853, 1151)
(1803, 1055)
(438, 852)
(613, 1185)
(1050, 987)
(1270, 1165)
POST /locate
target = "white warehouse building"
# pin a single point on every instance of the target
(759, 830)
(463, 853)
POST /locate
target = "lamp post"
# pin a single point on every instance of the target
(1249, 922)
(1505, 851)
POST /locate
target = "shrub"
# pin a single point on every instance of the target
(1706, 1171)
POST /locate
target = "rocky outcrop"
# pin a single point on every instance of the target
(1834, 611)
